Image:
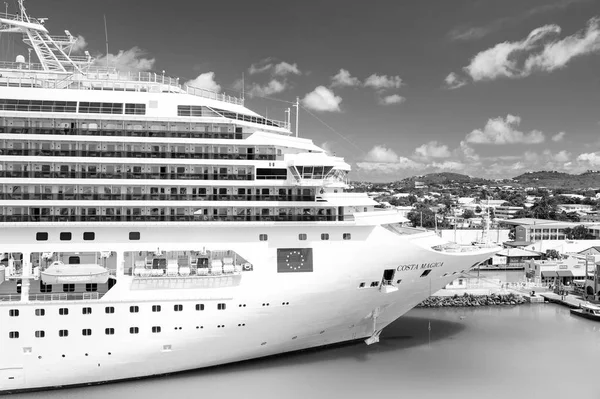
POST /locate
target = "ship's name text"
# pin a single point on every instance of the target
(417, 266)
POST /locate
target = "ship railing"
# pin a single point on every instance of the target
(79, 296)
(17, 17)
(10, 297)
(98, 78)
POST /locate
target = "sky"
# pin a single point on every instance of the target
(398, 88)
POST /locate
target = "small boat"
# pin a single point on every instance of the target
(588, 311)
(59, 273)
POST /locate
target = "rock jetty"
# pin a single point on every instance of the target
(468, 300)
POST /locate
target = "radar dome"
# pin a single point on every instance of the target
(20, 59)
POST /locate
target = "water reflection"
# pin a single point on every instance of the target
(495, 352)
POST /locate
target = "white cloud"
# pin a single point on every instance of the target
(557, 54)
(322, 99)
(591, 158)
(343, 78)
(268, 65)
(383, 82)
(328, 147)
(383, 160)
(132, 60)
(433, 149)
(558, 136)
(561, 156)
(381, 153)
(501, 60)
(273, 87)
(540, 51)
(467, 152)
(283, 68)
(504, 131)
(453, 81)
(391, 99)
(449, 165)
(79, 45)
(205, 81)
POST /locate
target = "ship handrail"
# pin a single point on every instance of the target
(53, 297)
(93, 74)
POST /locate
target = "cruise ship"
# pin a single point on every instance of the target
(149, 227)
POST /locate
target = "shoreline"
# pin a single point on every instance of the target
(470, 300)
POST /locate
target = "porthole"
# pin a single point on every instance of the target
(178, 308)
(134, 309)
(13, 334)
(86, 310)
(134, 330)
(109, 310)
(325, 236)
(302, 237)
(63, 333)
(109, 331)
(86, 332)
(40, 334)
(199, 306)
(40, 312)
(13, 312)
(347, 236)
(156, 329)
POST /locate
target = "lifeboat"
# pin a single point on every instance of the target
(59, 273)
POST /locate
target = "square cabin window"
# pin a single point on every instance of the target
(66, 236)
(325, 236)
(134, 235)
(302, 237)
(347, 236)
(263, 237)
(89, 236)
(41, 236)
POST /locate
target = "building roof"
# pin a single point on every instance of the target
(515, 244)
(517, 252)
(530, 221)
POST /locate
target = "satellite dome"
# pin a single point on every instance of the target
(20, 59)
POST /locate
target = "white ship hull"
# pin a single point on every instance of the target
(266, 313)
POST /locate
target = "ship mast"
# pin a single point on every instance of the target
(53, 52)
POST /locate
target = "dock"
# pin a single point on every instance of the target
(570, 301)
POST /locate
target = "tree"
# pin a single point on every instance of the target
(552, 254)
(421, 212)
(468, 214)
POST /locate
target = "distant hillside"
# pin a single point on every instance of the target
(440, 178)
(553, 179)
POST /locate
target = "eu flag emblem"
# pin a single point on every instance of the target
(294, 260)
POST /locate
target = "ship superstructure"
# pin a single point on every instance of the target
(149, 227)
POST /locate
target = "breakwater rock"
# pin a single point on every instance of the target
(471, 300)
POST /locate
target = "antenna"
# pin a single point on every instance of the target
(243, 85)
(297, 105)
(106, 35)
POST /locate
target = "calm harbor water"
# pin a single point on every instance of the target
(515, 352)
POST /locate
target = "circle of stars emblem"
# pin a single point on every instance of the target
(298, 263)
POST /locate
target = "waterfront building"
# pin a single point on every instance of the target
(555, 271)
(507, 212)
(529, 229)
(514, 258)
